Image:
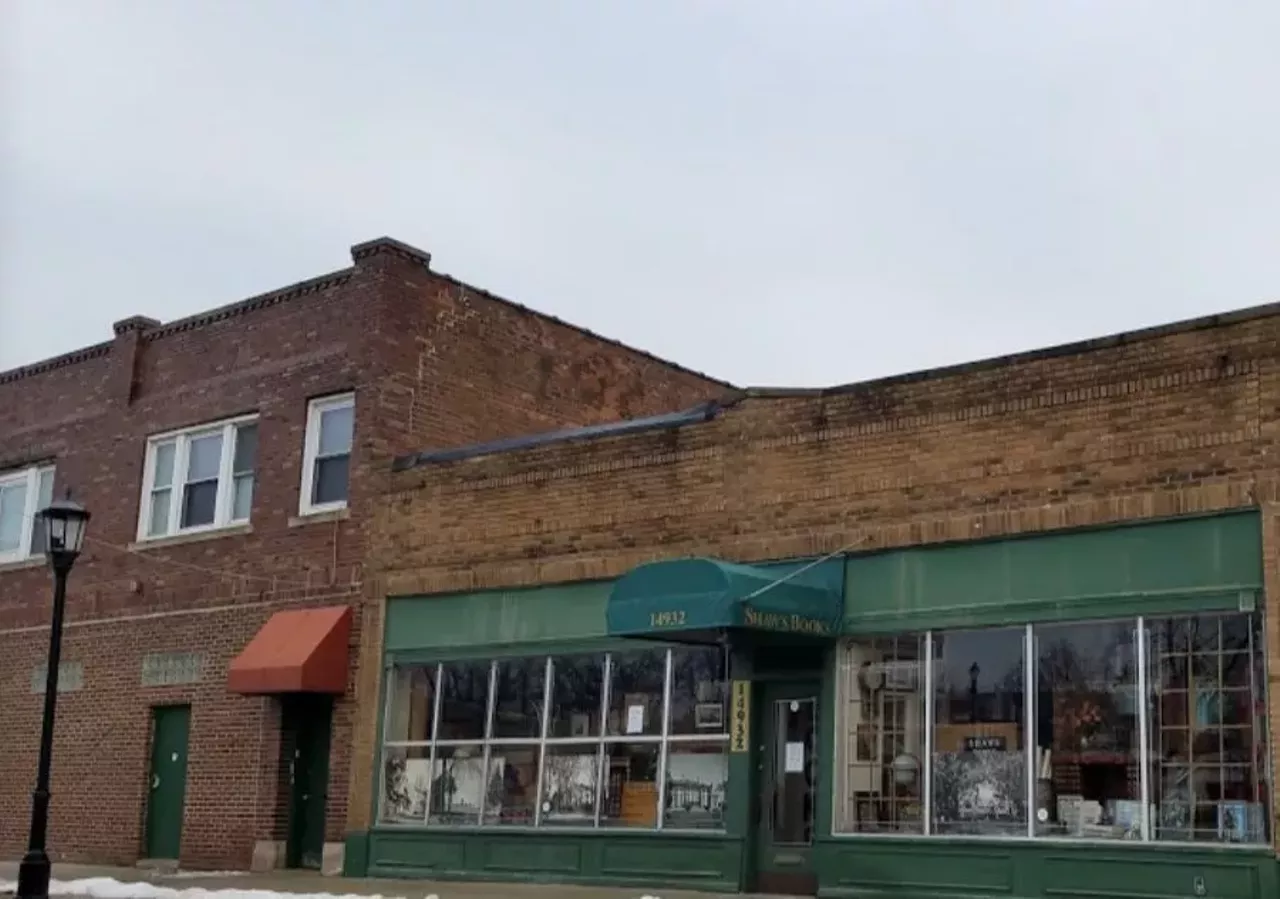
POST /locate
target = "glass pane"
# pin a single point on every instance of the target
(199, 502)
(794, 771)
(979, 766)
(697, 778)
(13, 511)
(699, 691)
(458, 784)
(205, 457)
(517, 702)
(246, 456)
(576, 694)
(406, 773)
(1087, 754)
(43, 499)
(464, 700)
(335, 430)
(409, 715)
(242, 497)
(164, 455)
(158, 522)
(1209, 767)
(513, 785)
(331, 481)
(569, 785)
(630, 785)
(880, 736)
(635, 692)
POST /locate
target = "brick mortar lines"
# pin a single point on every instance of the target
(1164, 385)
(865, 487)
(920, 530)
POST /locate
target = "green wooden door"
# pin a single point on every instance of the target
(308, 721)
(789, 788)
(167, 793)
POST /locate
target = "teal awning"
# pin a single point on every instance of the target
(686, 596)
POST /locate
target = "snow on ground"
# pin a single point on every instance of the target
(109, 888)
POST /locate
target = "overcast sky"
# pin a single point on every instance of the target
(780, 193)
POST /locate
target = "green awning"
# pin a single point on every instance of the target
(700, 596)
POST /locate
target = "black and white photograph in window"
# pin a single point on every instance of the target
(636, 739)
(1037, 732)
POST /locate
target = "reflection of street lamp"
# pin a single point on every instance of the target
(64, 525)
(974, 670)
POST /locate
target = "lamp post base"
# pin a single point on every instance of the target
(33, 875)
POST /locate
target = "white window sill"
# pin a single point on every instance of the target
(234, 530)
(338, 513)
(20, 564)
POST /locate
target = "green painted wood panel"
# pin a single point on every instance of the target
(933, 868)
(564, 612)
(1166, 567)
(706, 862)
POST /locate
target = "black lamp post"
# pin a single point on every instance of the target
(64, 525)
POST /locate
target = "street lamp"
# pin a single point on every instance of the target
(64, 526)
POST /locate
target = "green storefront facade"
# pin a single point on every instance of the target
(1073, 714)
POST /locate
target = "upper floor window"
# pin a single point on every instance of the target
(23, 493)
(199, 479)
(326, 458)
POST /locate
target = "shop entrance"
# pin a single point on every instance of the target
(788, 788)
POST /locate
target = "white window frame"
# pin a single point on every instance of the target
(311, 451)
(31, 476)
(223, 505)
(1146, 703)
(600, 742)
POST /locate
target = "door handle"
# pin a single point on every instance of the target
(155, 781)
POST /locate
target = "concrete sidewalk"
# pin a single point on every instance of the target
(309, 882)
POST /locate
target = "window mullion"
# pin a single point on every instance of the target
(222, 497)
(927, 768)
(1030, 738)
(605, 697)
(29, 511)
(542, 742)
(488, 735)
(178, 483)
(148, 490)
(1144, 730)
(435, 734)
(666, 731)
(388, 705)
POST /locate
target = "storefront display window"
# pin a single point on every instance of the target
(881, 731)
(1208, 760)
(1132, 729)
(1087, 761)
(636, 739)
(979, 737)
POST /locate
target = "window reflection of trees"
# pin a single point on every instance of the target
(520, 741)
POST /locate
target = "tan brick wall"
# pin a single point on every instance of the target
(1163, 424)
(433, 363)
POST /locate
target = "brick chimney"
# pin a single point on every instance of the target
(125, 351)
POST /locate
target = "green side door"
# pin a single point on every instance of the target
(167, 790)
(788, 715)
(308, 721)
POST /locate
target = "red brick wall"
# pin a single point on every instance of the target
(379, 328)
(1160, 424)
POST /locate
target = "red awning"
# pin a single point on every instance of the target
(300, 651)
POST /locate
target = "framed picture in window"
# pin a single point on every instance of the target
(708, 716)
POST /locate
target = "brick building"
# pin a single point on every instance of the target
(230, 461)
(733, 648)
